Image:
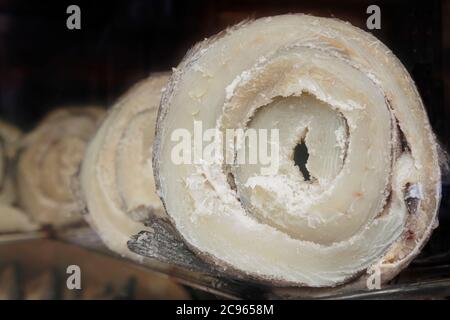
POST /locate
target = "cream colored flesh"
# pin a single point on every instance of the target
(346, 95)
(9, 139)
(116, 177)
(50, 157)
(14, 220)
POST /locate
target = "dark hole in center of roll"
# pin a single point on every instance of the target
(301, 156)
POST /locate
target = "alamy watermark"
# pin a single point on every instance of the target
(73, 281)
(373, 281)
(374, 20)
(230, 146)
(73, 22)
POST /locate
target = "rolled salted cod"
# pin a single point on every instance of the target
(49, 158)
(11, 219)
(364, 191)
(116, 178)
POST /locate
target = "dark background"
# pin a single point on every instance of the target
(43, 65)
